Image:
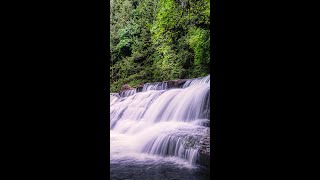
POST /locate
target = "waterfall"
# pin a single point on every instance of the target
(128, 93)
(155, 86)
(159, 121)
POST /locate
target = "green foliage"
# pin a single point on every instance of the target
(157, 40)
(199, 41)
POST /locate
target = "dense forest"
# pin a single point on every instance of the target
(158, 40)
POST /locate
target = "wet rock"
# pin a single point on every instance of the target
(125, 87)
(206, 114)
(204, 150)
(172, 84)
(204, 159)
(140, 87)
(176, 83)
(181, 82)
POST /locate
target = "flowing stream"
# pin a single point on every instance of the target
(155, 133)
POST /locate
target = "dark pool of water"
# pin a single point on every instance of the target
(156, 171)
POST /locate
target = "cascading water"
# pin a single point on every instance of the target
(159, 123)
(155, 86)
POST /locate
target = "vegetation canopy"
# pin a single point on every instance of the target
(158, 40)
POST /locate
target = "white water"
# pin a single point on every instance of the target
(156, 122)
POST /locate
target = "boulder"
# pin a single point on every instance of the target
(176, 83)
(125, 87)
(140, 87)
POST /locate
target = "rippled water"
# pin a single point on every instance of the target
(160, 168)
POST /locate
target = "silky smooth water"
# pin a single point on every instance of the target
(150, 130)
